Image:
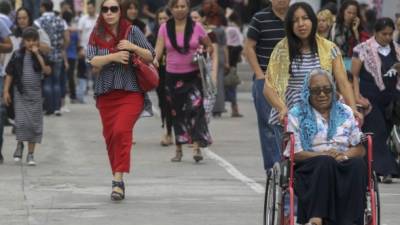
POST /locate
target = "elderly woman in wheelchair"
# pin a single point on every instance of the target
(330, 172)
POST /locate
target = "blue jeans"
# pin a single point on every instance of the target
(52, 89)
(81, 89)
(33, 7)
(269, 142)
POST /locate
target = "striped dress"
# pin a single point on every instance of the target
(301, 67)
(28, 105)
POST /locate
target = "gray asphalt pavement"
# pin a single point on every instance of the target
(72, 181)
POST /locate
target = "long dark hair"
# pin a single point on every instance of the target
(189, 27)
(294, 42)
(158, 12)
(340, 17)
(126, 5)
(18, 30)
(380, 25)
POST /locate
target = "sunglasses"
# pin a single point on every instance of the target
(316, 91)
(113, 9)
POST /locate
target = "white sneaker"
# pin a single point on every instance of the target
(57, 113)
(65, 110)
(30, 160)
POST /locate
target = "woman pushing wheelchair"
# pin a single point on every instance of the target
(330, 172)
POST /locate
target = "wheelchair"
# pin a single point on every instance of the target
(394, 143)
(280, 184)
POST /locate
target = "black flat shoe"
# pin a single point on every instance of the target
(118, 196)
(387, 179)
(198, 156)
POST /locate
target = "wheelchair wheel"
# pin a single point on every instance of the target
(369, 213)
(269, 199)
(273, 197)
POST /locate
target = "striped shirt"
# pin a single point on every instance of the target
(116, 76)
(267, 30)
(300, 69)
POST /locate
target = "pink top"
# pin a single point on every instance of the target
(177, 62)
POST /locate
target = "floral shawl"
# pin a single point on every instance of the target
(368, 54)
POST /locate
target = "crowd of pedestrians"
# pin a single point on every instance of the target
(50, 59)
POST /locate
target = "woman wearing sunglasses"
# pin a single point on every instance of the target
(294, 57)
(330, 171)
(118, 96)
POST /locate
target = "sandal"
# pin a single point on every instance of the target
(115, 195)
(166, 140)
(178, 156)
(197, 156)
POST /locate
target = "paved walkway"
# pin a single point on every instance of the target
(72, 181)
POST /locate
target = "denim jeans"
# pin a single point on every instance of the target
(33, 7)
(269, 142)
(52, 89)
(81, 89)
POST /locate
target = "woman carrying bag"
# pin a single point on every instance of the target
(119, 97)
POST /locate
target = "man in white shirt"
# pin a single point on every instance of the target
(85, 26)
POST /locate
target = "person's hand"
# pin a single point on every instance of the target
(364, 102)
(156, 63)
(359, 117)
(121, 57)
(81, 53)
(66, 65)
(356, 24)
(396, 66)
(7, 98)
(332, 153)
(282, 115)
(35, 49)
(341, 157)
(126, 45)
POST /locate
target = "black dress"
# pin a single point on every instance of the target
(331, 190)
(376, 121)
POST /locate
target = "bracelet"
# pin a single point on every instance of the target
(346, 157)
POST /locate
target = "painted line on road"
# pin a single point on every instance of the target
(228, 166)
(388, 194)
(235, 172)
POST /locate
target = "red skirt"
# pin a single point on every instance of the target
(119, 111)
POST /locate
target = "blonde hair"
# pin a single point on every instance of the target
(327, 15)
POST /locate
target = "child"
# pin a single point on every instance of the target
(25, 72)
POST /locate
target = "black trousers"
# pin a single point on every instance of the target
(71, 78)
(334, 191)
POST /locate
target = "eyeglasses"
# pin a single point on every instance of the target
(113, 9)
(318, 90)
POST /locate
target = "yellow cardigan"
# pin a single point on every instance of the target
(278, 68)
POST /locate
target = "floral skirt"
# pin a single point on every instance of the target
(184, 94)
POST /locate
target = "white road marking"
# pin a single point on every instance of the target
(235, 172)
(228, 166)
